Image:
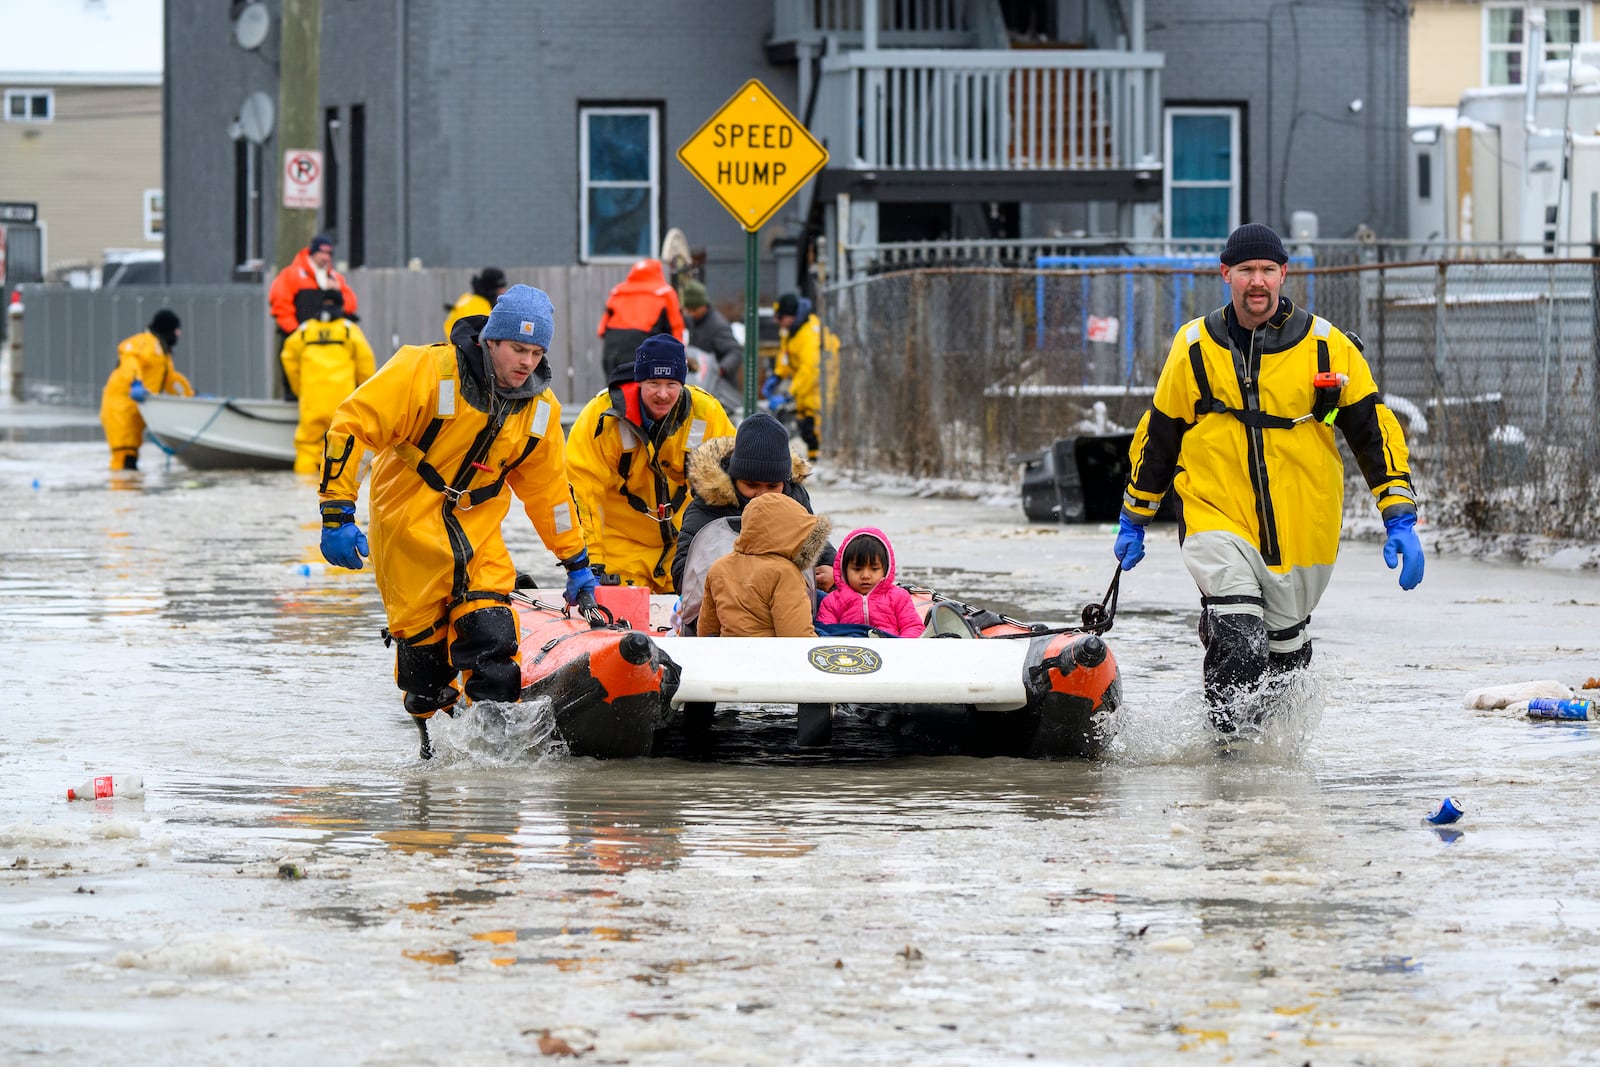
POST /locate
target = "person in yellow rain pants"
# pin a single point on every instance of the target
(324, 360)
(487, 285)
(144, 366)
(628, 453)
(799, 365)
(452, 427)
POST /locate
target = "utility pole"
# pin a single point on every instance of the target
(299, 69)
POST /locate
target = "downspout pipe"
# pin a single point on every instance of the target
(1530, 72)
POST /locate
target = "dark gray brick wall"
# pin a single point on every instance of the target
(1295, 66)
(486, 168)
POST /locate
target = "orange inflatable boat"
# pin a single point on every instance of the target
(976, 683)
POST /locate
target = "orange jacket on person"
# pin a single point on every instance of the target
(640, 306)
(298, 275)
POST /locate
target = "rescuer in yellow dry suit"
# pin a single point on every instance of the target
(144, 366)
(1241, 427)
(799, 365)
(451, 427)
(627, 457)
(487, 285)
(324, 359)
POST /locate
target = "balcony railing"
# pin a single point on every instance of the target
(901, 23)
(990, 110)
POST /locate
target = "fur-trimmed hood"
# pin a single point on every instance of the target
(774, 524)
(709, 478)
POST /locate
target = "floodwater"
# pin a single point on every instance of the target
(296, 887)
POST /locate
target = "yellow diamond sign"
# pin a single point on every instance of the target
(753, 155)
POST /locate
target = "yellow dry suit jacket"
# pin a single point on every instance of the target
(1219, 431)
(325, 361)
(630, 482)
(800, 361)
(139, 358)
(445, 449)
(468, 303)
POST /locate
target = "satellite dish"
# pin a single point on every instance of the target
(252, 26)
(256, 116)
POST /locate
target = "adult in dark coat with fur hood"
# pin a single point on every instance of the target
(726, 473)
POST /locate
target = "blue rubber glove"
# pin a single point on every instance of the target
(1404, 545)
(343, 543)
(772, 387)
(579, 581)
(579, 577)
(1130, 543)
(138, 391)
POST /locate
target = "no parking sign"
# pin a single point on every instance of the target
(302, 178)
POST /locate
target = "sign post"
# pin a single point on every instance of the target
(752, 155)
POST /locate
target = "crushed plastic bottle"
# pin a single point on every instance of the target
(108, 785)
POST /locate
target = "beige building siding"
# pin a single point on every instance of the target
(1446, 51)
(1447, 47)
(87, 169)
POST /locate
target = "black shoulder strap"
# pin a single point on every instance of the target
(1208, 404)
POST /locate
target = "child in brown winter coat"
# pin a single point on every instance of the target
(759, 590)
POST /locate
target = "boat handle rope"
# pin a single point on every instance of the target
(226, 404)
(1098, 618)
(598, 615)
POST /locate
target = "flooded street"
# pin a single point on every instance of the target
(296, 887)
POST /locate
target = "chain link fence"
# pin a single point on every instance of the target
(1492, 367)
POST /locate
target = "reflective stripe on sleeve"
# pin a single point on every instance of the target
(697, 432)
(447, 398)
(563, 517)
(541, 418)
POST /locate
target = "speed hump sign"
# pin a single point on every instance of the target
(302, 178)
(753, 155)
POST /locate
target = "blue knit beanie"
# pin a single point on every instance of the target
(661, 356)
(522, 313)
(318, 243)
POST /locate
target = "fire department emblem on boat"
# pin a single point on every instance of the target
(845, 659)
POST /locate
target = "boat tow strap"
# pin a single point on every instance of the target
(1097, 618)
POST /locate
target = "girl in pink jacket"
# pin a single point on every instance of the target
(864, 592)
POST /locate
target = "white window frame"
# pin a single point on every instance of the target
(155, 215)
(585, 184)
(1490, 48)
(1235, 164)
(49, 105)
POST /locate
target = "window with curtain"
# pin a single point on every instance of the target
(1506, 41)
(620, 163)
(1202, 184)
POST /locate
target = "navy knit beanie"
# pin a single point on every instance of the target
(1253, 241)
(522, 313)
(661, 356)
(319, 242)
(761, 451)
